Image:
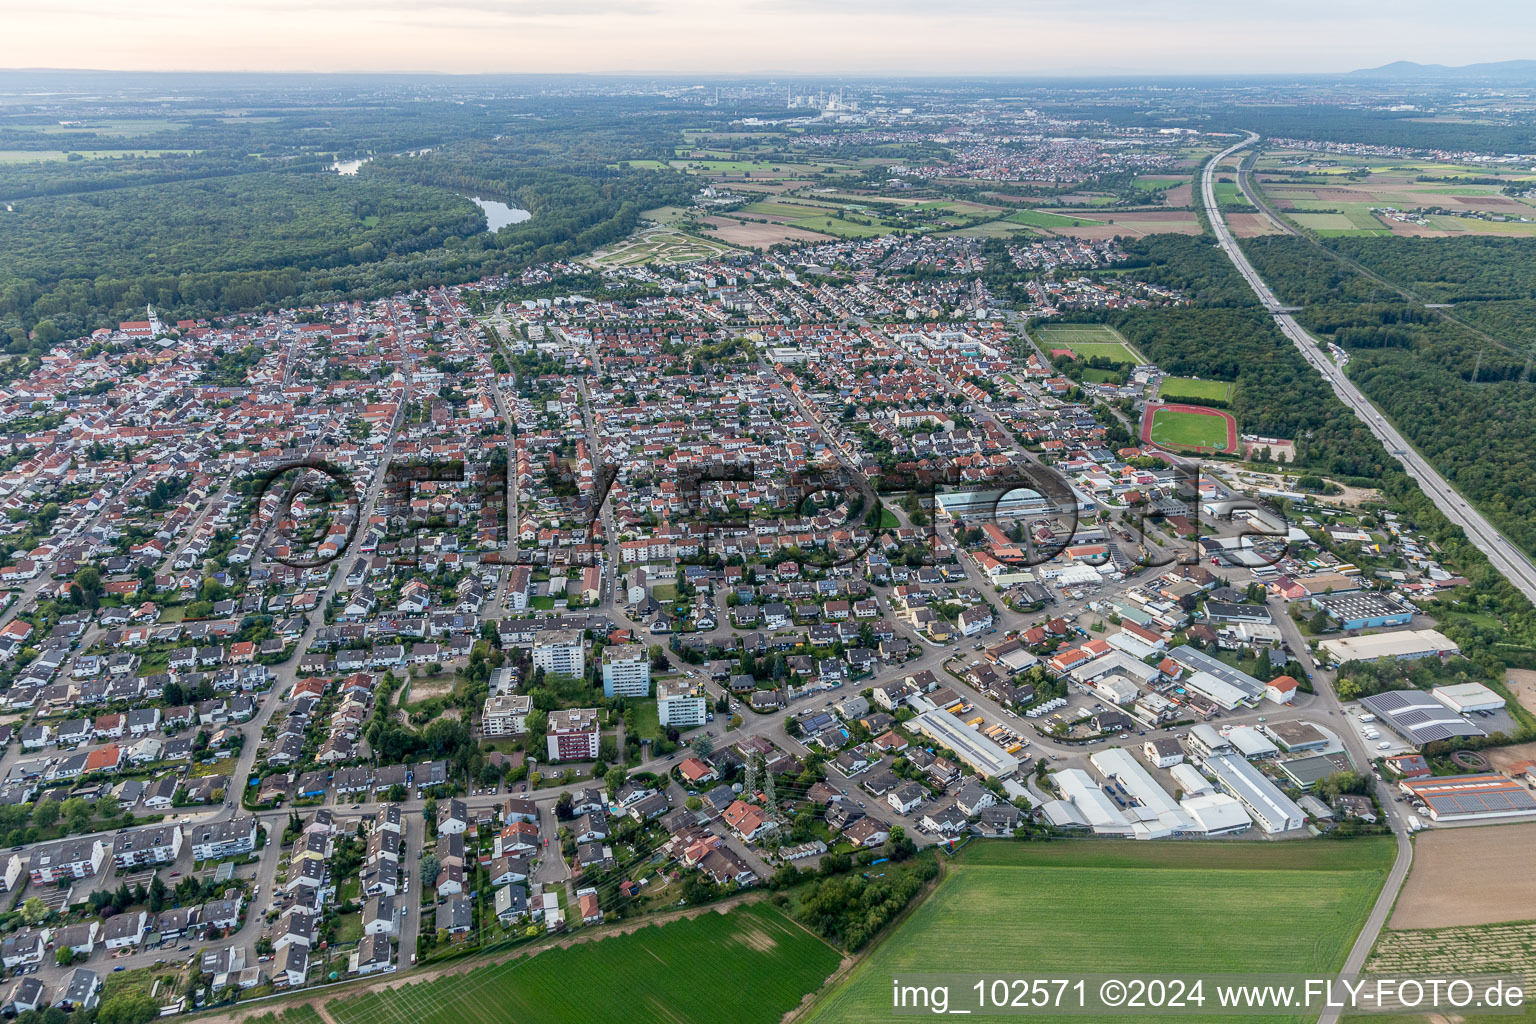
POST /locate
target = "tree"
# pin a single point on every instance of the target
(46, 813)
(703, 745)
(65, 956)
(132, 1007)
(430, 866)
(615, 779)
(34, 911)
(88, 579)
(897, 845)
(156, 895)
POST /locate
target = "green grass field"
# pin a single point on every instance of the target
(1228, 194)
(1088, 341)
(1104, 906)
(1041, 219)
(749, 966)
(1189, 429)
(1176, 388)
(647, 719)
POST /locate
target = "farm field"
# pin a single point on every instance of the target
(1107, 906)
(1344, 206)
(1487, 949)
(1189, 426)
(664, 214)
(1041, 219)
(1189, 387)
(29, 156)
(754, 235)
(1228, 194)
(1130, 223)
(748, 966)
(1441, 892)
(1088, 341)
(1251, 225)
(825, 218)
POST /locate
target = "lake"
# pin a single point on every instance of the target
(348, 166)
(499, 215)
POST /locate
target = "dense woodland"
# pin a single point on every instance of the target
(1463, 399)
(253, 218)
(1227, 336)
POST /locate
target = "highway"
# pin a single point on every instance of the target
(1506, 557)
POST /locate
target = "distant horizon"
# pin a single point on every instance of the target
(754, 76)
(903, 38)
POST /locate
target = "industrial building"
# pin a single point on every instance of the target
(1404, 645)
(1197, 661)
(1217, 814)
(1190, 780)
(1262, 799)
(1471, 797)
(1153, 812)
(1468, 698)
(1295, 736)
(1251, 743)
(1363, 610)
(1204, 741)
(1306, 772)
(1417, 717)
(1084, 805)
(989, 760)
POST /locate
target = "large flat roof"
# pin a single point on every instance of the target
(1466, 796)
(1418, 717)
(1197, 660)
(1406, 643)
(971, 746)
(1274, 811)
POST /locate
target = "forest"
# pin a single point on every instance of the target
(1278, 394)
(1465, 401)
(243, 212)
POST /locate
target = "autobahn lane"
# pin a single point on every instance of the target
(1505, 556)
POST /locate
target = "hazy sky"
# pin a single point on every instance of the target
(1021, 37)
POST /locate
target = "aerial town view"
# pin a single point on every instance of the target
(612, 515)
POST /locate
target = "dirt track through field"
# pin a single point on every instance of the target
(1469, 876)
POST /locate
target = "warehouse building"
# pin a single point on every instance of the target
(1417, 717)
(1471, 797)
(1216, 814)
(1251, 743)
(1295, 736)
(989, 760)
(1084, 805)
(1217, 691)
(1404, 645)
(1196, 661)
(1153, 812)
(1306, 772)
(1363, 610)
(1189, 779)
(1262, 799)
(1468, 698)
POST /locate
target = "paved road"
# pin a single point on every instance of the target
(1513, 563)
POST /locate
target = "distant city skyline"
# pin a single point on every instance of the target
(889, 37)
